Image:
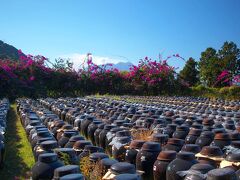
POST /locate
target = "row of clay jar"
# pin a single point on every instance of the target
(176, 141)
(4, 107)
(47, 151)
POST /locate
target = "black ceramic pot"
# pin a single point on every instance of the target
(183, 162)
(89, 149)
(45, 166)
(146, 158)
(118, 147)
(222, 174)
(84, 125)
(65, 170)
(91, 129)
(131, 153)
(66, 136)
(76, 176)
(106, 164)
(72, 140)
(96, 134)
(205, 138)
(161, 164)
(173, 144)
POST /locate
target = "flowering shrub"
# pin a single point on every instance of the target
(151, 76)
(226, 78)
(31, 76)
(19, 76)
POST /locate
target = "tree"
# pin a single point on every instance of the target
(212, 65)
(229, 55)
(63, 64)
(190, 74)
(209, 66)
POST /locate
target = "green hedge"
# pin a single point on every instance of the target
(229, 93)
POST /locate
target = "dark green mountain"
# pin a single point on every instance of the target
(8, 52)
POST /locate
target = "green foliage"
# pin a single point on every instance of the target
(230, 93)
(229, 54)
(190, 73)
(209, 66)
(212, 63)
(65, 158)
(63, 64)
(233, 92)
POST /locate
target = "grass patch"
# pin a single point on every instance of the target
(18, 152)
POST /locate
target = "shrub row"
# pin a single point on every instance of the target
(231, 93)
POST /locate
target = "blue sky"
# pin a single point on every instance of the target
(119, 30)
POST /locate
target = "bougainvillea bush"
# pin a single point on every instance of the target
(31, 76)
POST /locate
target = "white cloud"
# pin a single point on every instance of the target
(78, 59)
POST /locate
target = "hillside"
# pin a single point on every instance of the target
(123, 66)
(8, 52)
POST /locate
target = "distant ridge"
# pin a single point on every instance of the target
(8, 51)
(123, 66)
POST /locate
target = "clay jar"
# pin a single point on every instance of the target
(63, 114)
(72, 140)
(2, 152)
(211, 155)
(61, 131)
(161, 164)
(95, 157)
(146, 158)
(183, 162)
(65, 170)
(34, 130)
(160, 138)
(235, 136)
(205, 138)
(192, 136)
(131, 153)
(56, 126)
(45, 166)
(221, 140)
(173, 144)
(197, 171)
(181, 132)
(39, 141)
(31, 125)
(91, 129)
(66, 136)
(102, 135)
(110, 135)
(118, 147)
(194, 148)
(84, 125)
(78, 121)
(96, 134)
(122, 168)
(80, 145)
(75, 176)
(89, 149)
(127, 177)
(222, 174)
(170, 129)
(106, 164)
(45, 147)
(40, 134)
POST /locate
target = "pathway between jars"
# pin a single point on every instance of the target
(18, 155)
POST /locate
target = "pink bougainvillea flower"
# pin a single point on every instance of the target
(32, 78)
